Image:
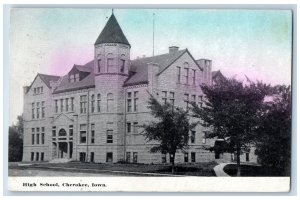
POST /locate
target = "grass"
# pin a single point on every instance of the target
(195, 169)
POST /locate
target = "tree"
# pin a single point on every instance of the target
(273, 139)
(231, 110)
(171, 128)
(15, 151)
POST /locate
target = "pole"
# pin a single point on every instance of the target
(153, 36)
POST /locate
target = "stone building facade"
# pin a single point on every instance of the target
(93, 113)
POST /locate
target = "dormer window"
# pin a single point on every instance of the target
(72, 78)
(76, 77)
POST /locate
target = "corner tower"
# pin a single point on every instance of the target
(111, 66)
(112, 50)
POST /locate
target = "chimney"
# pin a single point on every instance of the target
(25, 89)
(173, 49)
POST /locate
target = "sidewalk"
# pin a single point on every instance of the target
(219, 170)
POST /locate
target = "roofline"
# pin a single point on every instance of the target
(112, 43)
(73, 89)
(41, 79)
(136, 83)
(186, 50)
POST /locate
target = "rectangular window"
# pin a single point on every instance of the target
(186, 100)
(92, 157)
(82, 133)
(37, 138)
(193, 135)
(98, 103)
(67, 104)
(32, 111)
(92, 133)
(122, 65)
(42, 89)
(129, 102)
(204, 137)
(194, 77)
(128, 157)
(53, 131)
(38, 90)
(109, 157)
(38, 110)
(163, 158)
(32, 139)
(99, 66)
(72, 103)
(42, 138)
(172, 98)
(32, 156)
(110, 65)
(186, 157)
(193, 98)
(56, 106)
(43, 109)
(93, 104)
(178, 74)
(34, 90)
(42, 156)
(128, 127)
(109, 136)
(83, 103)
(135, 100)
(186, 75)
(164, 97)
(171, 158)
(135, 127)
(135, 157)
(200, 101)
(37, 156)
(72, 78)
(70, 130)
(193, 157)
(61, 105)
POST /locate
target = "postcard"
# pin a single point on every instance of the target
(150, 100)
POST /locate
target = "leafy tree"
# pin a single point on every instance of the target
(273, 144)
(170, 129)
(15, 140)
(231, 110)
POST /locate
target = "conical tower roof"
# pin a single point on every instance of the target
(112, 33)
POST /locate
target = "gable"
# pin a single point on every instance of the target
(62, 119)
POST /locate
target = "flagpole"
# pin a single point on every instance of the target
(153, 36)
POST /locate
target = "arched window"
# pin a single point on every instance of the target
(186, 72)
(62, 132)
(98, 102)
(122, 63)
(110, 62)
(110, 99)
(100, 69)
(93, 103)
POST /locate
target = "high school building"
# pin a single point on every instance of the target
(93, 112)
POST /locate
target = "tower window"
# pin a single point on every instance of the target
(99, 66)
(110, 63)
(98, 102)
(122, 65)
(110, 99)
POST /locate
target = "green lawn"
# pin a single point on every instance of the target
(195, 169)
